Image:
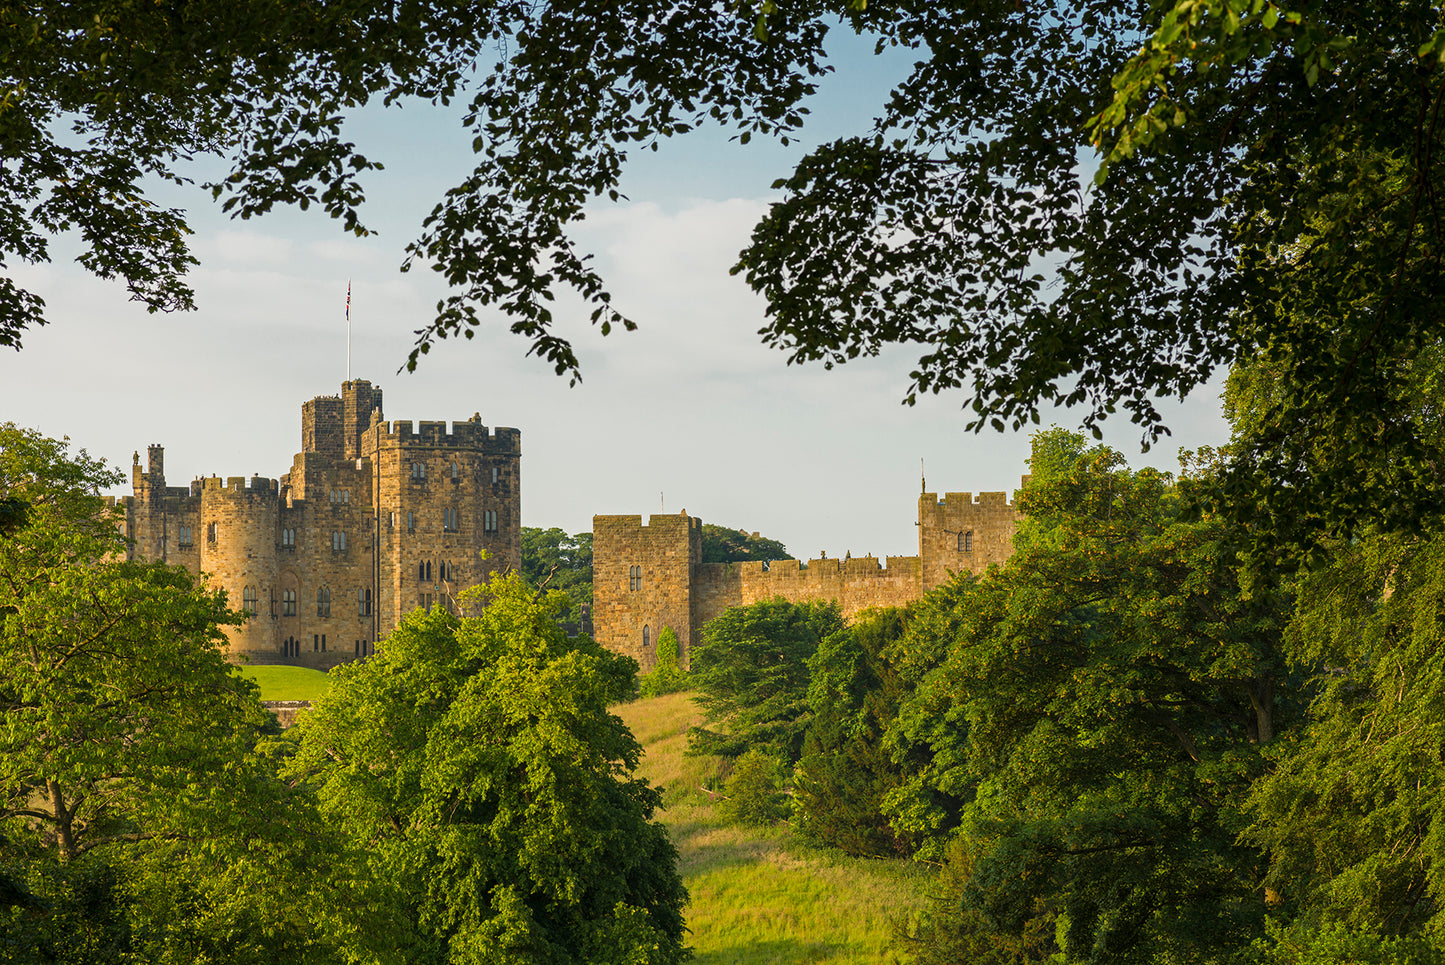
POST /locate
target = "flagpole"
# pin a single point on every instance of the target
(348, 329)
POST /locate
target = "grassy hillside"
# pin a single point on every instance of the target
(287, 683)
(762, 896)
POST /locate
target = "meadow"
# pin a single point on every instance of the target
(287, 683)
(763, 895)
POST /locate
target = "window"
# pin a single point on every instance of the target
(338, 542)
(315, 642)
(346, 497)
(391, 521)
(496, 473)
(288, 603)
(445, 571)
(323, 602)
(489, 520)
(449, 521)
(965, 541)
(323, 643)
(646, 636)
(634, 578)
(288, 539)
(185, 536)
(423, 600)
(210, 532)
(418, 471)
(411, 522)
(455, 475)
(248, 601)
(363, 601)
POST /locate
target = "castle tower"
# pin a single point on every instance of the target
(958, 534)
(237, 542)
(642, 582)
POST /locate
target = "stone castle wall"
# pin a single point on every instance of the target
(371, 521)
(957, 533)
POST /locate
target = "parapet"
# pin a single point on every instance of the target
(463, 435)
(958, 502)
(237, 485)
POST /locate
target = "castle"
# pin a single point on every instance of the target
(647, 577)
(373, 520)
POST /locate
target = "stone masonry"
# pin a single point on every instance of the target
(373, 520)
(648, 576)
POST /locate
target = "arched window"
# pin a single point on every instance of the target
(965, 541)
(338, 542)
(455, 474)
(210, 532)
(323, 602)
(363, 601)
(346, 496)
(646, 636)
(248, 601)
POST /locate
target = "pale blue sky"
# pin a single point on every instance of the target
(690, 406)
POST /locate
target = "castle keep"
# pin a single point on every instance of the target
(646, 577)
(374, 519)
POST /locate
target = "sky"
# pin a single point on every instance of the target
(689, 412)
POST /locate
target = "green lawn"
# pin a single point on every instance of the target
(763, 895)
(287, 683)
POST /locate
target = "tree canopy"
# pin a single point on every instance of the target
(487, 792)
(137, 818)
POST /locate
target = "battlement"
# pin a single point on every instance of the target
(237, 485)
(957, 502)
(463, 435)
(821, 570)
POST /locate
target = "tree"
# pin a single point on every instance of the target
(130, 785)
(667, 677)
(750, 671)
(1105, 701)
(556, 561)
(1353, 816)
(854, 692)
(476, 771)
(723, 545)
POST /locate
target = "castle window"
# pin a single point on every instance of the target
(646, 636)
(333, 496)
(323, 602)
(965, 541)
(363, 601)
(418, 471)
(210, 532)
(496, 473)
(390, 521)
(449, 521)
(288, 603)
(489, 520)
(446, 570)
(323, 643)
(346, 496)
(288, 539)
(248, 601)
(315, 642)
(634, 578)
(455, 475)
(185, 536)
(338, 542)
(410, 522)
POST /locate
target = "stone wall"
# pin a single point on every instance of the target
(956, 534)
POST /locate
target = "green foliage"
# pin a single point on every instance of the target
(1338, 945)
(846, 769)
(476, 771)
(1353, 816)
(723, 545)
(667, 677)
(952, 931)
(555, 561)
(136, 817)
(1104, 702)
(750, 671)
(754, 791)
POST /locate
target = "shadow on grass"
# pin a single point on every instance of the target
(728, 847)
(776, 952)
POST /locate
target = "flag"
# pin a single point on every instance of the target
(348, 301)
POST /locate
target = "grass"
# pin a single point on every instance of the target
(287, 683)
(763, 895)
